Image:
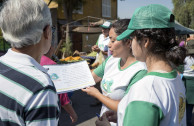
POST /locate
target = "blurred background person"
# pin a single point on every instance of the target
(102, 42)
(188, 78)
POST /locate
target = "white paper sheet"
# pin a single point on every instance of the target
(69, 77)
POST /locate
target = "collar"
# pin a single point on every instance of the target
(23, 59)
(170, 75)
(105, 37)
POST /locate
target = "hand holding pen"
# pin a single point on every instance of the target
(102, 121)
(98, 115)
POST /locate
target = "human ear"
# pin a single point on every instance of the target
(46, 32)
(129, 43)
(146, 42)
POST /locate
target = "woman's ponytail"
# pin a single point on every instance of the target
(176, 55)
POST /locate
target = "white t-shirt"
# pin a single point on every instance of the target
(114, 80)
(189, 67)
(156, 99)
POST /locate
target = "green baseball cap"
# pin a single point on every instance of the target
(151, 16)
(106, 24)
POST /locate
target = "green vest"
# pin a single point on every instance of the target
(189, 84)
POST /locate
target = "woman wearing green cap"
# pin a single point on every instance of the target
(158, 99)
(118, 72)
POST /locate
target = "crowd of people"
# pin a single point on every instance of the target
(140, 81)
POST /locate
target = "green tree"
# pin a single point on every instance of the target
(184, 12)
(68, 7)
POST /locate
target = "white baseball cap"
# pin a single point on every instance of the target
(106, 24)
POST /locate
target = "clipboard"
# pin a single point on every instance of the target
(71, 76)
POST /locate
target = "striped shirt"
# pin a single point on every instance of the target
(27, 95)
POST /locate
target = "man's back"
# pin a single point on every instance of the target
(27, 96)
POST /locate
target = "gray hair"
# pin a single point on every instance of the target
(23, 21)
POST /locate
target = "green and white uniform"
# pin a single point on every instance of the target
(158, 99)
(102, 42)
(188, 78)
(189, 67)
(114, 80)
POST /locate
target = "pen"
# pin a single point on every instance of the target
(97, 115)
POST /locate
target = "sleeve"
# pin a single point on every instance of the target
(97, 41)
(141, 113)
(138, 76)
(43, 108)
(99, 71)
(64, 99)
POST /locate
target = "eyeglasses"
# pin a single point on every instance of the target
(49, 2)
(53, 28)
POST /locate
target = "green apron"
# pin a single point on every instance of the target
(189, 84)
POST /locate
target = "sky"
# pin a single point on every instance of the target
(127, 7)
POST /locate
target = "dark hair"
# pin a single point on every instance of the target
(188, 35)
(163, 45)
(120, 26)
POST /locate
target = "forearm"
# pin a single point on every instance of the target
(69, 109)
(96, 78)
(108, 102)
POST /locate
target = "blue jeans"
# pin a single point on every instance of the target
(189, 110)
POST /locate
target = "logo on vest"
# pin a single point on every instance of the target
(182, 105)
(106, 84)
(192, 67)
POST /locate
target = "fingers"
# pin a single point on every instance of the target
(102, 121)
(109, 113)
(87, 90)
(91, 91)
(74, 118)
(111, 116)
(84, 89)
(95, 48)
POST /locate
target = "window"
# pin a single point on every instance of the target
(106, 8)
(79, 10)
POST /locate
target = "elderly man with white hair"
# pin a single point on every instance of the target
(27, 95)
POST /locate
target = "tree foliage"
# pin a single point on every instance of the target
(68, 7)
(184, 12)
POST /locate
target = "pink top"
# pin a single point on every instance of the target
(64, 99)
(46, 61)
(182, 44)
